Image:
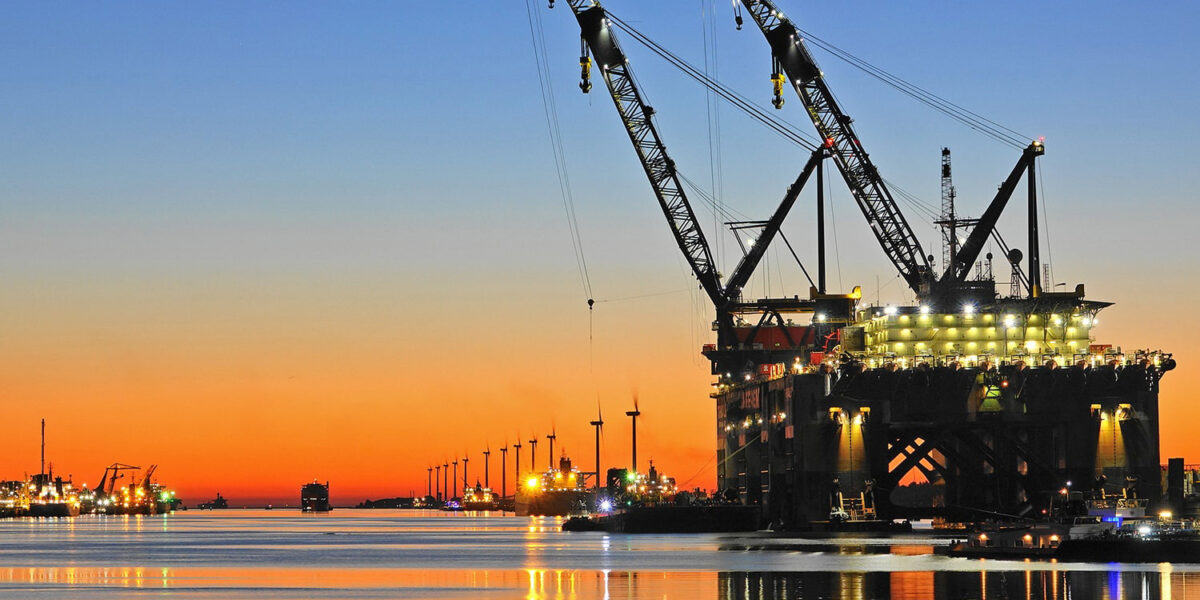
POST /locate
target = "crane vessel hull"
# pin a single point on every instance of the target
(965, 406)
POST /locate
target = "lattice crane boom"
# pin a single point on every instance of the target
(891, 229)
(652, 153)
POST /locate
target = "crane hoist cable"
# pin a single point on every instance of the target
(837, 252)
(725, 212)
(1046, 221)
(955, 111)
(550, 108)
(786, 130)
(708, 22)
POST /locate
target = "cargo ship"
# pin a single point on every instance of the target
(52, 497)
(138, 497)
(479, 498)
(557, 492)
(314, 497)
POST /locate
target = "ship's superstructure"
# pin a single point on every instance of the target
(827, 407)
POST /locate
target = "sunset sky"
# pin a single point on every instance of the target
(262, 243)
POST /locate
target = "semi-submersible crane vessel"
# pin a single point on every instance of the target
(826, 405)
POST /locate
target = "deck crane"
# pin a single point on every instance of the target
(108, 482)
(734, 351)
(146, 479)
(791, 56)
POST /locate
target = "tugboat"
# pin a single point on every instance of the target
(314, 497)
(216, 503)
(479, 498)
(557, 492)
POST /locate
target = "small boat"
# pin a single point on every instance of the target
(1110, 528)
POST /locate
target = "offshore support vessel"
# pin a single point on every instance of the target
(556, 492)
(827, 405)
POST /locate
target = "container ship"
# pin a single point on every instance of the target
(314, 497)
(557, 492)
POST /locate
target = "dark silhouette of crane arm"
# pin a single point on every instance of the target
(888, 224)
(753, 256)
(598, 37)
(982, 230)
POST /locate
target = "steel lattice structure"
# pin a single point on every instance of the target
(872, 196)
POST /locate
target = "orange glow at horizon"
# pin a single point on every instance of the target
(291, 383)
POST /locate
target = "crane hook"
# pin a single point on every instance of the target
(551, 3)
(737, 15)
(777, 81)
(585, 67)
(585, 70)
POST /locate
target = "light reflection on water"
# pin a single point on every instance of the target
(399, 554)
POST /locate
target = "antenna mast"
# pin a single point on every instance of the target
(948, 222)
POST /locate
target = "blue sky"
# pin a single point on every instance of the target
(189, 133)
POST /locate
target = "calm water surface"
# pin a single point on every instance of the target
(412, 554)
